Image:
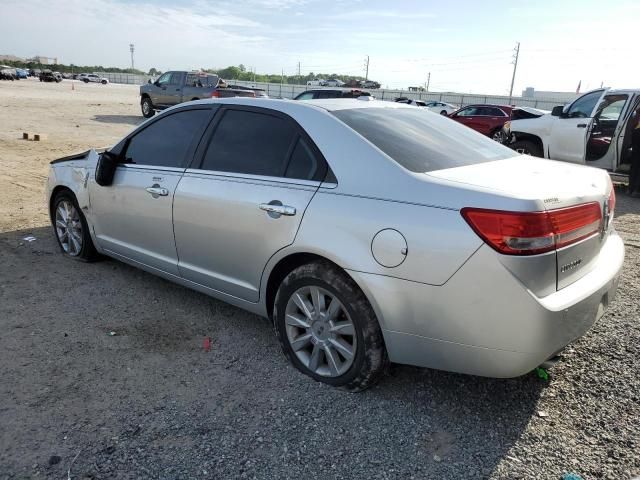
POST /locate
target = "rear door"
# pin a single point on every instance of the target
(569, 133)
(244, 198)
(133, 215)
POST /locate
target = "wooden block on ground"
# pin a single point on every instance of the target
(38, 137)
(26, 136)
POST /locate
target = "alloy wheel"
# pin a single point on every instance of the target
(320, 331)
(69, 228)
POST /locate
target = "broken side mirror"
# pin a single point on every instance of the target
(557, 111)
(106, 168)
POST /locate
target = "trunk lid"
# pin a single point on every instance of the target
(555, 185)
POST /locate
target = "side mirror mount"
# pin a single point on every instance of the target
(557, 111)
(149, 81)
(106, 168)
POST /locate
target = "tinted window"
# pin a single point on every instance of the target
(165, 142)
(583, 106)
(422, 143)
(303, 163)
(327, 94)
(305, 96)
(251, 143)
(468, 112)
(493, 112)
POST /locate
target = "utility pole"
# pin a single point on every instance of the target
(428, 80)
(298, 72)
(366, 68)
(131, 48)
(516, 54)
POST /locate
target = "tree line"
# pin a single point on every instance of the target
(229, 73)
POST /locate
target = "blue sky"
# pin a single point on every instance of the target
(466, 45)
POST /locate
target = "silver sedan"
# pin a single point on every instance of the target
(368, 232)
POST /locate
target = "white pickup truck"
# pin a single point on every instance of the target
(595, 129)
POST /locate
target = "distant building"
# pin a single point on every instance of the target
(10, 58)
(44, 60)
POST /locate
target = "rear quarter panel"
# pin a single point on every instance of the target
(342, 227)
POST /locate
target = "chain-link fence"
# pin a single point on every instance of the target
(278, 90)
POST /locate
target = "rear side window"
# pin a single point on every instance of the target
(421, 141)
(304, 164)
(166, 141)
(305, 96)
(250, 143)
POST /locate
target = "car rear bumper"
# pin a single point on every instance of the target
(483, 321)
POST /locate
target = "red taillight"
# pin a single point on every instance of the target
(215, 94)
(612, 200)
(530, 233)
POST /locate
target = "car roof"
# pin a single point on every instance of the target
(327, 104)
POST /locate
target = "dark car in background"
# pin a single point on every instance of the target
(49, 76)
(319, 93)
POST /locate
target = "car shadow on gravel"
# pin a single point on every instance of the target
(119, 119)
(240, 408)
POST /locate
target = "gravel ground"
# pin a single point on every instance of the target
(150, 402)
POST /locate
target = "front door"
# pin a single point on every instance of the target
(602, 147)
(132, 217)
(244, 199)
(569, 133)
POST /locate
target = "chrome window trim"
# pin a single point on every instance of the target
(261, 178)
(134, 166)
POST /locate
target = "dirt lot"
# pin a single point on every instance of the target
(150, 402)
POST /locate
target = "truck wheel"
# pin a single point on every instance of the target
(527, 147)
(327, 328)
(104, 82)
(85, 80)
(147, 108)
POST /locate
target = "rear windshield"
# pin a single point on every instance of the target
(422, 141)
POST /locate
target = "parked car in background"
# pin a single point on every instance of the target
(439, 107)
(259, 92)
(334, 82)
(35, 72)
(486, 119)
(8, 73)
(370, 84)
(93, 78)
(22, 73)
(321, 93)
(49, 76)
(594, 129)
(175, 87)
(368, 232)
(316, 83)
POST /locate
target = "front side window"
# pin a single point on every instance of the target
(468, 112)
(250, 143)
(166, 141)
(164, 78)
(422, 143)
(305, 96)
(583, 107)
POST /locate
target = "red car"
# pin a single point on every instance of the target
(486, 119)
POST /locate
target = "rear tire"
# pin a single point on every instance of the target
(71, 229)
(527, 147)
(147, 108)
(343, 346)
(103, 82)
(444, 112)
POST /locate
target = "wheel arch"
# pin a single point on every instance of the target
(143, 96)
(279, 268)
(532, 138)
(56, 190)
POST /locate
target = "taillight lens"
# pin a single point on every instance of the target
(612, 201)
(215, 94)
(530, 233)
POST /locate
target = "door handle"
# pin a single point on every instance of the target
(582, 125)
(279, 209)
(157, 191)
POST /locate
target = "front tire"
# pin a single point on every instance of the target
(328, 329)
(71, 228)
(103, 82)
(527, 147)
(444, 112)
(147, 108)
